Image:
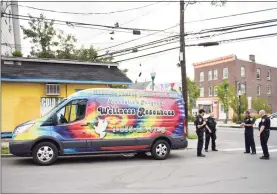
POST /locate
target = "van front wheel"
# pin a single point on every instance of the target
(45, 153)
(160, 150)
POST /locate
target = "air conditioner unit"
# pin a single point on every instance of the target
(52, 89)
(268, 78)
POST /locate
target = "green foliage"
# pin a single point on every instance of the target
(48, 43)
(192, 136)
(225, 96)
(17, 53)
(42, 34)
(235, 102)
(4, 150)
(260, 103)
(191, 117)
(193, 94)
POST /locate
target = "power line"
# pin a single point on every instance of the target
(90, 13)
(205, 43)
(86, 24)
(193, 21)
(218, 29)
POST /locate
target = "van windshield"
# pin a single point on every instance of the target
(50, 111)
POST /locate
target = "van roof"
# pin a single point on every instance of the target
(126, 92)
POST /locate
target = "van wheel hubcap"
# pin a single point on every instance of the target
(45, 154)
(161, 149)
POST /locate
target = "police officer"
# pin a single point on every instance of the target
(264, 132)
(200, 129)
(248, 133)
(210, 132)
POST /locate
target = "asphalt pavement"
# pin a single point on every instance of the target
(229, 170)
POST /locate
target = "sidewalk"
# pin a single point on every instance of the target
(228, 125)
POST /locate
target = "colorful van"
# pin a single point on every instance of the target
(103, 121)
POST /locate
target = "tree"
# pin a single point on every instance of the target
(42, 34)
(67, 46)
(235, 102)
(260, 103)
(193, 93)
(225, 96)
(125, 71)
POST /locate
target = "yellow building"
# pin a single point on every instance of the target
(31, 87)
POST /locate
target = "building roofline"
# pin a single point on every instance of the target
(60, 61)
(215, 61)
(240, 59)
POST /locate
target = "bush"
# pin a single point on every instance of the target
(192, 136)
(5, 150)
(17, 53)
(235, 117)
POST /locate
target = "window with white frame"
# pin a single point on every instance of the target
(258, 73)
(258, 90)
(269, 90)
(215, 90)
(210, 91)
(202, 92)
(225, 72)
(268, 75)
(243, 88)
(242, 71)
(201, 76)
(215, 74)
(52, 89)
(210, 75)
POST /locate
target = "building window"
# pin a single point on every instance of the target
(243, 88)
(210, 91)
(202, 92)
(258, 73)
(242, 71)
(269, 90)
(259, 90)
(268, 75)
(72, 112)
(201, 76)
(52, 89)
(210, 75)
(215, 74)
(215, 91)
(225, 72)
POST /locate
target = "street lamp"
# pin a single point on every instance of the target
(153, 75)
(239, 94)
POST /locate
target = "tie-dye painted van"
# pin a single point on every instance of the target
(105, 121)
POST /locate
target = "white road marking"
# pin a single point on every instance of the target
(274, 150)
(238, 149)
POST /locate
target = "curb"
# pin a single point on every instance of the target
(7, 156)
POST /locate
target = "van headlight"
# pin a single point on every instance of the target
(23, 128)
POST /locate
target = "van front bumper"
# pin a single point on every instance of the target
(20, 148)
(179, 143)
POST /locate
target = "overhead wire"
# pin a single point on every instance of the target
(194, 21)
(200, 44)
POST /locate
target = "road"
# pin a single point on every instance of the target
(228, 170)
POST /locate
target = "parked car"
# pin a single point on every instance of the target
(273, 121)
(106, 121)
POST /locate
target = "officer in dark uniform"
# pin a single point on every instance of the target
(200, 129)
(248, 133)
(210, 132)
(264, 132)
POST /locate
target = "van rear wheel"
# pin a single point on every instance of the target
(45, 153)
(160, 150)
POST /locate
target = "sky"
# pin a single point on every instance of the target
(159, 16)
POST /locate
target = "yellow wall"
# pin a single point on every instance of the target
(21, 101)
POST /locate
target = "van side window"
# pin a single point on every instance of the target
(73, 111)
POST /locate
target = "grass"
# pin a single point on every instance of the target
(5, 150)
(192, 136)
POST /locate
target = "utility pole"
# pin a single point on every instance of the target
(183, 59)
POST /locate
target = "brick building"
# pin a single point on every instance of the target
(252, 78)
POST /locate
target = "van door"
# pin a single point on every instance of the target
(69, 129)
